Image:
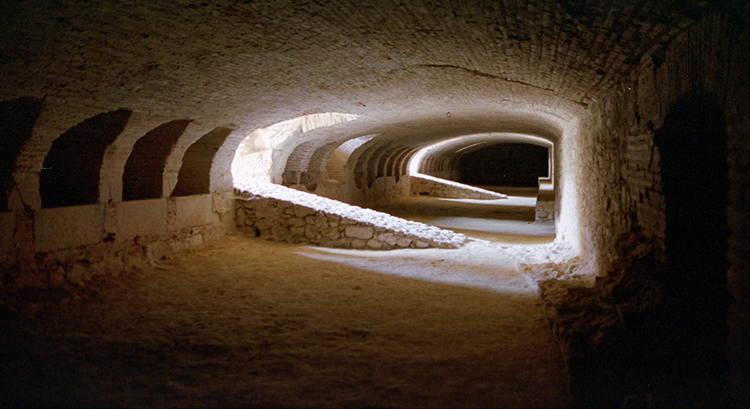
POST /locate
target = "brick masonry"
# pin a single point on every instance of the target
(626, 188)
(595, 78)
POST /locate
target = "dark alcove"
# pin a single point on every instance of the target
(674, 353)
(195, 173)
(70, 174)
(143, 175)
(693, 148)
(507, 164)
(17, 118)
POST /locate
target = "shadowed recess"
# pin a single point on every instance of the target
(195, 174)
(17, 118)
(512, 164)
(144, 171)
(70, 174)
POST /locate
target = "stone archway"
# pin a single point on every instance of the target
(693, 148)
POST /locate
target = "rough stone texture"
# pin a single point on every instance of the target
(449, 189)
(545, 201)
(590, 319)
(545, 210)
(625, 185)
(274, 219)
(193, 211)
(594, 78)
(358, 232)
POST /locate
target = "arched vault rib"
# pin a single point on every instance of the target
(398, 138)
(445, 155)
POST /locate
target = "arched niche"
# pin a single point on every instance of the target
(693, 152)
(17, 118)
(70, 173)
(143, 176)
(194, 177)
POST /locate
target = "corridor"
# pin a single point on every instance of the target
(251, 323)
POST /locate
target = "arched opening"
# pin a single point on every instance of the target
(257, 158)
(485, 185)
(693, 148)
(143, 176)
(517, 165)
(195, 173)
(676, 349)
(70, 174)
(335, 167)
(17, 118)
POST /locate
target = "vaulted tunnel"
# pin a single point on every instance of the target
(518, 165)
(510, 160)
(131, 130)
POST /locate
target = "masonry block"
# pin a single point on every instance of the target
(141, 217)
(191, 211)
(65, 227)
(359, 232)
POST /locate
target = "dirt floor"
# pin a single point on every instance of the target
(250, 323)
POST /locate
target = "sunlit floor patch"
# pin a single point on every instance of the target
(478, 264)
(251, 323)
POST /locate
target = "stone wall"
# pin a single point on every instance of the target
(624, 190)
(66, 247)
(431, 186)
(283, 220)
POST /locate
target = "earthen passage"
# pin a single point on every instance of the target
(120, 124)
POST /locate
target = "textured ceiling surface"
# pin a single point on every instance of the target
(240, 50)
(245, 65)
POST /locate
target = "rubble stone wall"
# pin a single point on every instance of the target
(279, 220)
(624, 190)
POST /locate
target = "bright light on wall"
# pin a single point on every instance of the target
(253, 159)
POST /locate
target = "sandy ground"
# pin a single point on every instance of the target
(250, 323)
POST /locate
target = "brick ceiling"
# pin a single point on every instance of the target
(574, 48)
(249, 64)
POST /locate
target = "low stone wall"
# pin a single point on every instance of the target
(431, 186)
(66, 247)
(281, 220)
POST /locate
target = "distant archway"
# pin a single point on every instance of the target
(505, 164)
